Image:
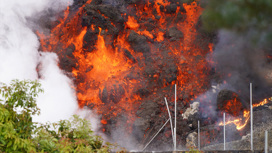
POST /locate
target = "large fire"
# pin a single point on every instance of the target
(109, 71)
(134, 57)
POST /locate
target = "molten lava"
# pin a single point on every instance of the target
(233, 107)
(242, 121)
(109, 70)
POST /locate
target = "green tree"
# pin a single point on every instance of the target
(18, 133)
(69, 136)
(18, 104)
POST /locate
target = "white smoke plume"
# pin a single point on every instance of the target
(58, 99)
(19, 57)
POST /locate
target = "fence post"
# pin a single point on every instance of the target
(224, 120)
(175, 128)
(198, 134)
(251, 119)
(170, 119)
(266, 142)
(156, 134)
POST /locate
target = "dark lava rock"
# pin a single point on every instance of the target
(134, 1)
(148, 108)
(146, 113)
(138, 42)
(112, 93)
(174, 34)
(105, 16)
(171, 8)
(169, 73)
(180, 18)
(78, 3)
(67, 63)
(112, 12)
(129, 56)
(143, 92)
(193, 119)
(69, 51)
(96, 2)
(89, 40)
(162, 8)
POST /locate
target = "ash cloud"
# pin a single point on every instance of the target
(20, 57)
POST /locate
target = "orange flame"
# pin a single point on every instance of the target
(101, 75)
(240, 123)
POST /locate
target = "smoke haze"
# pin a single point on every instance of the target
(241, 61)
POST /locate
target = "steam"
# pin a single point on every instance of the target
(58, 98)
(118, 134)
(19, 57)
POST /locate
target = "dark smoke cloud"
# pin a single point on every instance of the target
(241, 61)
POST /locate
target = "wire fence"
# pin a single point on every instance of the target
(253, 136)
(212, 137)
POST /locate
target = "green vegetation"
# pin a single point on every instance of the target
(18, 133)
(240, 16)
(68, 136)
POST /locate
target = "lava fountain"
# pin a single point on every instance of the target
(121, 55)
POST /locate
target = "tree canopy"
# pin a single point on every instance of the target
(18, 133)
(238, 15)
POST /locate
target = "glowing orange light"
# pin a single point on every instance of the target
(132, 23)
(240, 123)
